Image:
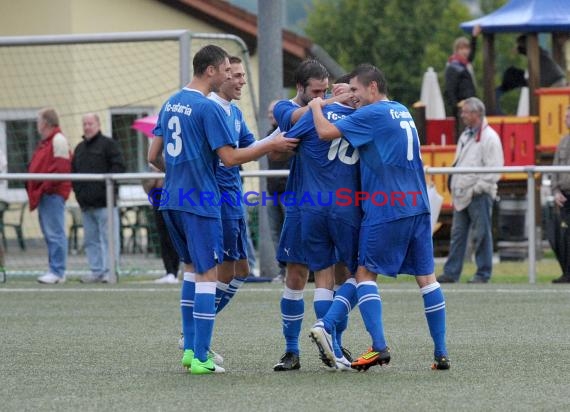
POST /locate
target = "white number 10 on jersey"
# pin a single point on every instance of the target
(338, 148)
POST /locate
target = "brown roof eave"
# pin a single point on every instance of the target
(234, 20)
(221, 15)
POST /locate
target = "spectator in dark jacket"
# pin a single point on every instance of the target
(459, 75)
(96, 154)
(559, 233)
(551, 74)
(170, 258)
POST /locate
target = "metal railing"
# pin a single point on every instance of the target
(109, 179)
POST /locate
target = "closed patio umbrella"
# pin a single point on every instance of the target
(145, 125)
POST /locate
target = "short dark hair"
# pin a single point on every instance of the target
(310, 69)
(234, 60)
(345, 78)
(521, 39)
(367, 73)
(209, 55)
(521, 44)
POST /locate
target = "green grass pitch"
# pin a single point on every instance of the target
(114, 347)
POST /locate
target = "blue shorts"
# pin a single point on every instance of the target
(290, 249)
(327, 241)
(197, 239)
(402, 246)
(235, 239)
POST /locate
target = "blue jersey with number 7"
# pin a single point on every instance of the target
(391, 167)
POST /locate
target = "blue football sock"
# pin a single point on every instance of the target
(221, 289)
(322, 302)
(204, 316)
(292, 312)
(434, 307)
(345, 299)
(230, 292)
(370, 306)
(187, 309)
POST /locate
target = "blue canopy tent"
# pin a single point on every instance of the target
(523, 16)
(541, 16)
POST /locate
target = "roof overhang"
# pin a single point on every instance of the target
(231, 19)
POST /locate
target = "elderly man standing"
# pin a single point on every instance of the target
(52, 155)
(96, 154)
(478, 146)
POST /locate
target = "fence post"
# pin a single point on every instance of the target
(270, 22)
(109, 186)
(184, 58)
(531, 187)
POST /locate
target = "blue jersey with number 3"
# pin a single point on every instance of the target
(327, 167)
(192, 127)
(391, 167)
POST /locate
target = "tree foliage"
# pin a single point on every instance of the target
(402, 38)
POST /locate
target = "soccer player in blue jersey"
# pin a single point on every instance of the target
(234, 268)
(311, 80)
(395, 236)
(329, 229)
(194, 133)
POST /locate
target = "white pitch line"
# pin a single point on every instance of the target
(86, 290)
(272, 290)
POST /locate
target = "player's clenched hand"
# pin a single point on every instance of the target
(316, 103)
(284, 144)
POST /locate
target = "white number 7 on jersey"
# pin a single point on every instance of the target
(408, 125)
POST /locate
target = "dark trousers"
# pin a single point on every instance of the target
(168, 254)
(559, 235)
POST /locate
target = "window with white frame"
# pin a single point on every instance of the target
(18, 140)
(133, 144)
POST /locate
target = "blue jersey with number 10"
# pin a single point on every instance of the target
(391, 167)
(192, 127)
(327, 167)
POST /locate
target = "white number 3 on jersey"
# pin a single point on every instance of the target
(174, 148)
